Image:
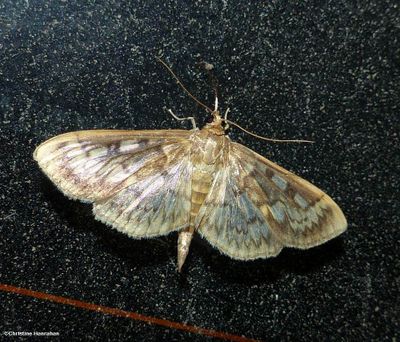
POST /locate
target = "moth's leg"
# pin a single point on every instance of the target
(191, 118)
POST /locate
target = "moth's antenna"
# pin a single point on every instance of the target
(226, 114)
(182, 86)
(211, 78)
(268, 139)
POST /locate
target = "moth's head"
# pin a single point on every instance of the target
(216, 116)
(217, 125)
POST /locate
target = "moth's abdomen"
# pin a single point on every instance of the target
(201, 184)
(206, 158)
(202, 177)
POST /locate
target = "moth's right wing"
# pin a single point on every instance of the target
(95, 164)
(139, 181)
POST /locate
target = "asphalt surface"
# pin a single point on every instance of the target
(327, 72)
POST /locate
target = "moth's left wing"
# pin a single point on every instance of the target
(139, 181)
(255, 207)
(300, 215)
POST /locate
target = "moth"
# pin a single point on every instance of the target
(148, 183)
(151, 183)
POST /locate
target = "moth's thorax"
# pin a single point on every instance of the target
(208, 148)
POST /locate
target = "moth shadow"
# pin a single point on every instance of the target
(138, 253)
(270, 270)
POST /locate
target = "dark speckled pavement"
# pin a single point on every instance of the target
(327, 72)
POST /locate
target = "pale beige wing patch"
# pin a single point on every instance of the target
(298, 213)
(91, 165)
(231, 222)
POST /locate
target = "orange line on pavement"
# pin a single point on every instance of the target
(123, 313)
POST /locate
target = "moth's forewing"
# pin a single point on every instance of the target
(91, 165)
(299, 214)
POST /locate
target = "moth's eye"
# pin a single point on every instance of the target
(225, 125)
